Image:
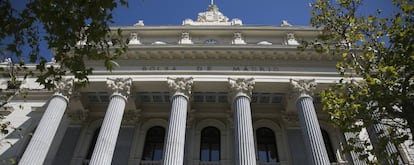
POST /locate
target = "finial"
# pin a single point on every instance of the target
(212, 2)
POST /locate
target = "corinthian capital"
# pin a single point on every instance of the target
(64, 87)
(303, 87)
(240, 87)
(180, 86)
(120, 86)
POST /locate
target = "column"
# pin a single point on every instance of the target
(105, 144)
(180, 94)
(354, 155)
(36, 151)
(240, 96)
(378, 131)
(311, 131)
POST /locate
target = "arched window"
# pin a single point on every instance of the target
(210, 144)
(92, 144)
(328, 146)
(154, 143)
(266, 145)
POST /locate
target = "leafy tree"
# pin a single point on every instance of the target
(75, 30)
(377, 63)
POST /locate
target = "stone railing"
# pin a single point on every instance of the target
(150, 163)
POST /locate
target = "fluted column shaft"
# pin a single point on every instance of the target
(36, 151)
(354, 155)
(240, 92)
(39, 145)
(311, 131)
(243, 132)
(174, 147)
(106, 142)
(390, 148)
(108, 134)
(175, 144)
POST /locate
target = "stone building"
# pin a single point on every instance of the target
(211, 91)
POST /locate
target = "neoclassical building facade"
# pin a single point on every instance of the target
(208, 92)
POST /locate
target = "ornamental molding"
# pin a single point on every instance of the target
(238, 39)
(260, 52)
(240, 87)
(185, 38)
(291, 40)
(303, 87)
(180, 86)
(121, 86)
(64, 87)
(134, 39)
(212, 15)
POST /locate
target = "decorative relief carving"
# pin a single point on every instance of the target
(180, 86)
(285, 24)
(120, 86)
(237, 38)
(134, 39)
(291, 40)
(240, 87)
(212, 15)
(64, 87)
(139, 23)
(303, 86)
(185, 38)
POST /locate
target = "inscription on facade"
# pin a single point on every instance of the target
(212, 68)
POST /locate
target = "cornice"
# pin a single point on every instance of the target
(218, 27)
(281, 52)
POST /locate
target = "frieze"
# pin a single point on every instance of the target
(212, 68)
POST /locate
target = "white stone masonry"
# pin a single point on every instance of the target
(36, 151)
(311, 131)
(175, 144)
(240, 94)
(106, 142)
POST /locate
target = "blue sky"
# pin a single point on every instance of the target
(251, 12)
